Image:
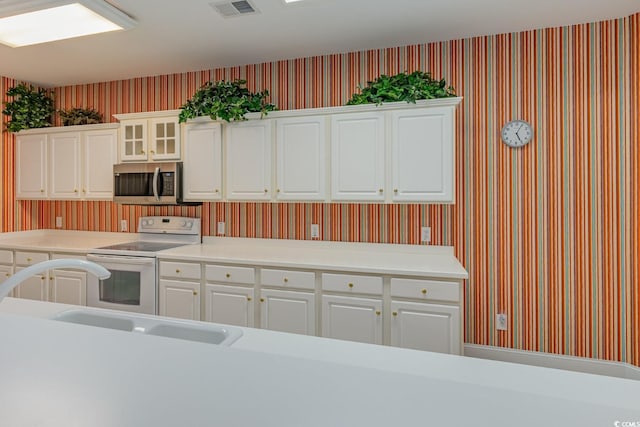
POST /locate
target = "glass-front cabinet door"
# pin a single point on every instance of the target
(165, 139)
(133, 141)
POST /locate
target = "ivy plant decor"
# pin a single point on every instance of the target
(30, 108)
(80, 116)
(402, 87)
(228, 101)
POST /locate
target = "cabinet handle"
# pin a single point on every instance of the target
(228, 275)
(395, 313)
(350, 285)
(266, 191)
(142, 152)
(42, 190)
(42, 278)
(395, 190)
(84, 190)
(28, 259)
(424, 291)
(378, 312)
(7, 274)
(177, 270)
(285, 280)
(152, 152)
(261, 299)
(217, 191)
(380, 190)
(248, 298)
(195, 292)
(278, 190)
(51, 278)
(75, 190)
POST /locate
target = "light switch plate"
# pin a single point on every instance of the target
(124, 225)
(501, 322)
(425, 234)
(221, 228)
(315, 231)
(58, 222)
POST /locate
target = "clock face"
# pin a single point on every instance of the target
(517, 133)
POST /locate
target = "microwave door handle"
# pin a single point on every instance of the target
(156, 173)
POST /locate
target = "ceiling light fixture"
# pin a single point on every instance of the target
(24, 23)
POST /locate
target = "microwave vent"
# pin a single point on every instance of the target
(229, 9)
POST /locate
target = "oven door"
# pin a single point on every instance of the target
(131, 287)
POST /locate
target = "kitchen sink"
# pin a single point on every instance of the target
(153, 325)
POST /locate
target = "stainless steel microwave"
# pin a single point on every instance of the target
(148, 183)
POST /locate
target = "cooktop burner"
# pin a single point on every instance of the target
(142, 246)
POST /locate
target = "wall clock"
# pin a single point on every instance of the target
(517, 133)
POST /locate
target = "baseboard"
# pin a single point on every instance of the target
(557, 361)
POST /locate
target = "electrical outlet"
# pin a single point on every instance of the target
(425, 234)
(58, 222)
(315, 231)
(124, 225)
(501, 322)
(221, 227)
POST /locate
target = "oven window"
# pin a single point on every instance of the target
(123, 287)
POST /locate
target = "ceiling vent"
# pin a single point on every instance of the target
(229, 9)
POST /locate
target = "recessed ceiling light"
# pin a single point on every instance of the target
(24, 23)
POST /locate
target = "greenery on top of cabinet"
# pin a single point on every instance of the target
(402, 87)
(228, 101)
(31, 107)
(80, 116)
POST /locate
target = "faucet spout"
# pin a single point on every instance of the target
(91, 267)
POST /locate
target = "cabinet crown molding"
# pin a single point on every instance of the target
(77, 128)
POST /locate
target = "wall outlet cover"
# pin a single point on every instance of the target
(501, 322)
(58, 222)
(124, 225)
(221, 228)
(315, 231)
(425, 234)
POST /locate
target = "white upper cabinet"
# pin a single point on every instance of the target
(65, 165)
(149, 136)
(422, 155)
(202, 177)
(357, 156)
(99, 156)
(248, 160)
(31, 166)
(301, 158)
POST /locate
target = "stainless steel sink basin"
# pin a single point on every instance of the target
(153, 325)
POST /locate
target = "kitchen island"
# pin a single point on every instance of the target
(62, 374)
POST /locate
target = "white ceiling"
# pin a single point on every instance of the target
(175, 36)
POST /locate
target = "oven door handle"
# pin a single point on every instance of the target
(120, 259)
(156, 174)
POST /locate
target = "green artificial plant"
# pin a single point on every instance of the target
(228, 101)
(31, 107)
(80, 116)
(402, 87)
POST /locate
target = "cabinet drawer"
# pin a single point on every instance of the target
(68, 256)
(30, 258)
(289, 279)
(180, 269)
(228, 274)
(425, 289)
(352, 283)
(6, 257)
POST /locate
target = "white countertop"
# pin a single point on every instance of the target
(69, 241)
(60, 374)
(434, 261)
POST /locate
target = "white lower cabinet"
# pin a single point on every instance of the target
(35, 287)
(288, 311)
(179, 299)
(421, 326)
(68, 287)
(231, 305)
(352, 318)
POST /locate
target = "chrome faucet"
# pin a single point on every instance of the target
(91, 267)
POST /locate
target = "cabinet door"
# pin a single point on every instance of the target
(352, 319)
(231, 305)
(357, 156)
(31, 166)
(6, 271)
(300, 148)
(35, 287)
(133, 140)
(202, 162)
(64, 166)
(179, 299)
(100, 154)
(424, 326)
(248, 167)
(422, 155)
(288, 311)
(68, 287)
(165, 139)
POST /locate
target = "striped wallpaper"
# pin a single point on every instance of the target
(547, 232)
